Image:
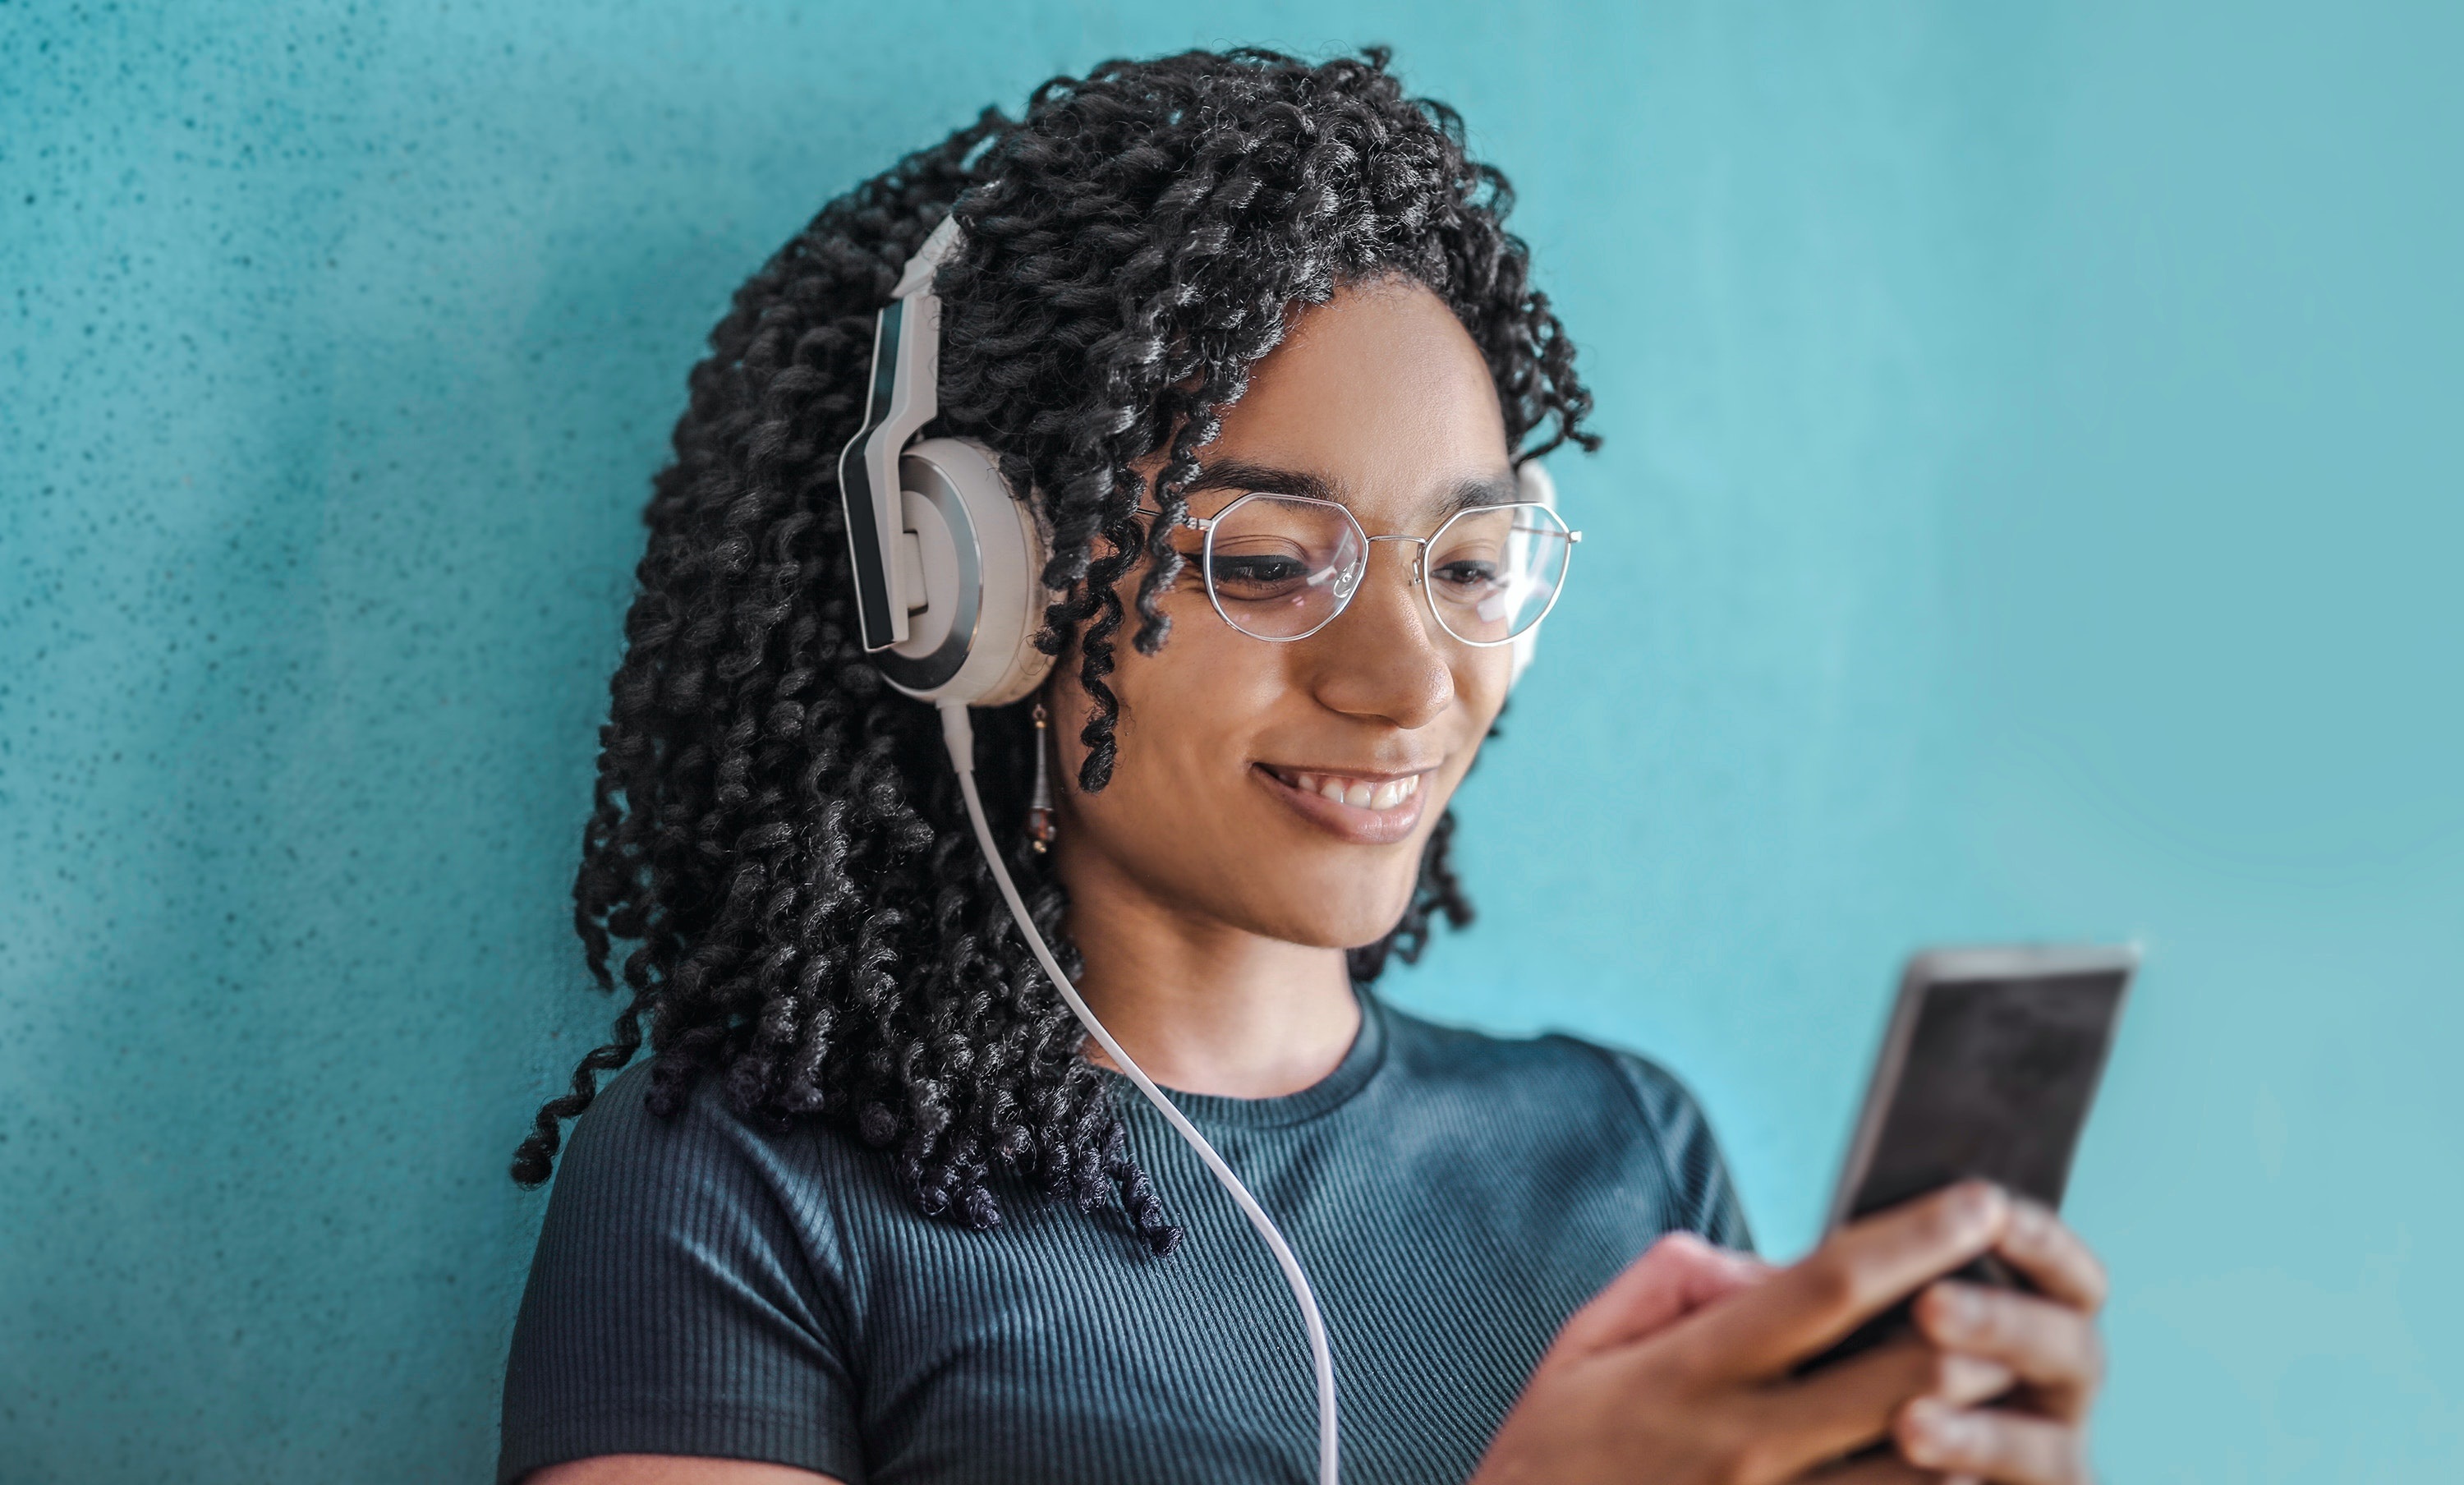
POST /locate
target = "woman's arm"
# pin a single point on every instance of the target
(672, 1470)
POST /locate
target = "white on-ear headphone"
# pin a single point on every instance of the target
(949, 561)
(949, 565)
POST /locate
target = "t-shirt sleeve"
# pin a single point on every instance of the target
(676, 1304)
(1707, 1199)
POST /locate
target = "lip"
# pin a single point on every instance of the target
(1352, 823)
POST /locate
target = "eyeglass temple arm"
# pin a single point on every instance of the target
(1573, 534)
(1187, 520)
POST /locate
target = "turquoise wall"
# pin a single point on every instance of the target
(2028, 512)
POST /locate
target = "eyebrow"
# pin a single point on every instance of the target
(1244, 477)
(1499, 489)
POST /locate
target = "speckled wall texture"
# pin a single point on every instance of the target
(2031, 508)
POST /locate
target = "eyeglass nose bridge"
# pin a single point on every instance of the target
(1420, 554)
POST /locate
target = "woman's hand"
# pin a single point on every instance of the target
(2037, 1435)
(1680, 1371)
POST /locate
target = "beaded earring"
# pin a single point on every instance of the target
(1039, 827)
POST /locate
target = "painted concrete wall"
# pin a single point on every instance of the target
(2031, 509)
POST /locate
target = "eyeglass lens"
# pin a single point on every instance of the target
(1280, 567)
(1492, 571)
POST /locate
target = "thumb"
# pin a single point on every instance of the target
(1674, 1276)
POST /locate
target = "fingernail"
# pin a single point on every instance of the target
(1961, 1309)
(1981, 1204)
(1941, 1428)
(1973, 1378)
(1921, 1430)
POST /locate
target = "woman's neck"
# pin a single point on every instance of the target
(1206, 1008)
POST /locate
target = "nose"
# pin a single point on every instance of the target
(1384, 659)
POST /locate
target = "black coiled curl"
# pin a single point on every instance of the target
(775, 833)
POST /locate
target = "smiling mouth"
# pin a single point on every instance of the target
(1377, 794)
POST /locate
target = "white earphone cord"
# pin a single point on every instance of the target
(958, 732)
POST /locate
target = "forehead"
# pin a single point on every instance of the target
(1380, 396)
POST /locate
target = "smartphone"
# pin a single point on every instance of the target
(1988, 1068)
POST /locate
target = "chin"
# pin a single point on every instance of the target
(1342, 916)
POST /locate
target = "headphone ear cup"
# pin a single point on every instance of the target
(976, 554)
(1534, 485)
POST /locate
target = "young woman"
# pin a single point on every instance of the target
(873, 1211)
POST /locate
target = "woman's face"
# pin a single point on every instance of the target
(1219, 809)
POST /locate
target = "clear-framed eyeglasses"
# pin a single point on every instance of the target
(1281, 568)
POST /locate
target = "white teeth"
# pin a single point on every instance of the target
(1359, 793)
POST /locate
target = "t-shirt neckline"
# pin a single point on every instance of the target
(1359, 1064)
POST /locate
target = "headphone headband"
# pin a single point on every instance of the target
(902, 394)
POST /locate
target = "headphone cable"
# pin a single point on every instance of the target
(959, 733)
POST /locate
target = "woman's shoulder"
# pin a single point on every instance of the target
(653, 1144)
(1552, 1063)
(647, 1111)
(1607, 1101)
(689, 1293)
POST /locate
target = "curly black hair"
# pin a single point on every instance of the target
(775, 832)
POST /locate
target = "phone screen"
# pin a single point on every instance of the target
(1988, 1069)
(1994, 1079)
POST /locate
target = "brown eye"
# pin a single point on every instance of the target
(1280, 566)
(1265, 575)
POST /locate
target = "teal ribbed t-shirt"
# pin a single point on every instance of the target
(704, 1286)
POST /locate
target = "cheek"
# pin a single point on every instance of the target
(1480, 684)
(1183, 814)
(1184, 711)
